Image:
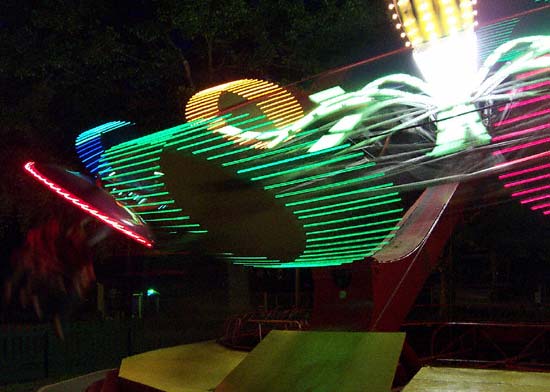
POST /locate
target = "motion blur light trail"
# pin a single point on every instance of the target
(261, 181)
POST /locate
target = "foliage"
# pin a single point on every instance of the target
(69, 65)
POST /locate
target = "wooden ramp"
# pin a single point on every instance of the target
(188, 368)
(287, 361)
(284, 361)
(432, 379)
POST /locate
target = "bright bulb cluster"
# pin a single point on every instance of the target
(423, 21)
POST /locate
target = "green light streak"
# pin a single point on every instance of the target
(363, 247)
(332, 212)
(148, 169)
(352, 234)
(267, 154)
(160, 211)
(201, 142)
(300, 157)
(113, 155)
(328, 197)
(322, 261)
(300, 265)
(380, 237)
(176, 218)
(131, 181)
(196, 152)
(310, 178)
(181, 226)
(111, 169)
(132, 158)
(346, 203)
(329, 186)
(228, 153)
(352, 219)
(310, 166)
(142, 196)
(352, 253)
(198, 231)
(188, 139)
(264, 124)
(137, 188)
(156, 203)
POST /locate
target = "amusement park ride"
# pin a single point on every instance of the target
(356, 181)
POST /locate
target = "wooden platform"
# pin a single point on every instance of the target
(187, 368)
(440, 379)
(285, 361)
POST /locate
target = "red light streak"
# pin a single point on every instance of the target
(526, 181)
(521, 118)
(525, 171)
(536, 198)
(531, 190)
(29, 167)
(533, 73)
(520, 133)
(524, 103)
(534, 86)
(540, 206)
(522, 160)
(521, 146)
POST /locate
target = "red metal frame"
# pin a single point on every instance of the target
(377, 294)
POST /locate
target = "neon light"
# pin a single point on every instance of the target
(115, 191)
(530, 74)
(210, 140)
(524, 103)
(531, 190)
(175, 218)
(267, 154)
(329, 186)
(540, 206)
(160, 211)
(525, 171)
(30, 167)
(353, 247)
(526, 181)
(157, 203)
(117, 168)
(126, 174)
(361, 240)
(318, 176)
(338, 211)
(305, 156)
(283, 107)
(350, 219)
(132, 158)
(521, 146)
(521, 118)
(142, 196)
(349, 193)
(310, 166)
(534, 86)
(131, 181)
(352, 234)
(512, 135)
(523, 160)
(536, 198)
(375, 223)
